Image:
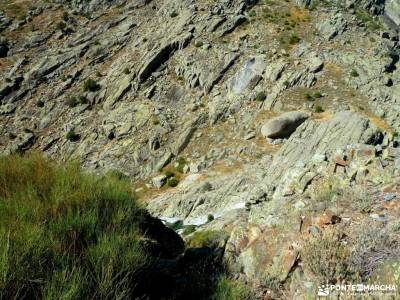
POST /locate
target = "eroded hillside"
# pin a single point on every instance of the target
(182, 97)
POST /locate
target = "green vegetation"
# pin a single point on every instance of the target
(198, 44)
(181, 163)
(319, 109)
(61, 26)
(312, 96)
(210, 218)
(261, 96)
(189, 229)
(169, 174)
(72, 101)
(294, 39)
(228, 289)
(368, 20)
(172, 182)
(91, 85)
(206, 238)
(65, 234)
(40, 103)
(354, 73)
(328, 258)
(72, 136)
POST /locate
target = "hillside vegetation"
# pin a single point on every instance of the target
(66, 234)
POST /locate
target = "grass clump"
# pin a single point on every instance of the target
(72, 136)
(65, 234)
(261, 96)
(210, 218)
(91, 85)
(327, 258)
(207, 238)
(319, 109)
(354, 73)
(228, 289)
(172, 182)
(180, 164)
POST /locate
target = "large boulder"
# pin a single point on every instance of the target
(284, 125)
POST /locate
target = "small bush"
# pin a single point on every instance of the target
(327, 258)
(83, 99)
(172, 182)
(189, 229)
(176, 225)
(261, 96)
(206, 238)
(319, 109)
(198, 44)
(72, 136)
(40, 103)
(354, 73)
(317, 95)
(169, 174)
(181, 161)
(72, 102)
(91, 85)
(308, 97)
(210, 218)
(65, 234)
(294, 39)
(61, 26)
(127, 71)
(228, 289)
(173, 14)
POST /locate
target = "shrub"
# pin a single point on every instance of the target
(354, 73)
(261, 96)
(127, 71)
(189, 229)
(294, 39)
(91, 85)
(228, 289)
(317, 95)
(83, 99)
(169, 174)
(72, 102)
(327, 258)
(308, 97)
(61, 26)
(210, 218)
(172, 182)
(206, 238)
(40, 103)
(65, 234)
(72, 136)
(181, 163)
(198, 44)
(319, 109)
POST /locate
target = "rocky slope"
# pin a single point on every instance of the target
(177, 95)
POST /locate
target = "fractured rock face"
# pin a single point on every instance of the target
(392, 10)
(312, 139)
(284, 125)
(248, 76)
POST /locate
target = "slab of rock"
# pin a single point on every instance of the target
(159, 180)
(296, 157)
(248, 76)
(284, 125)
